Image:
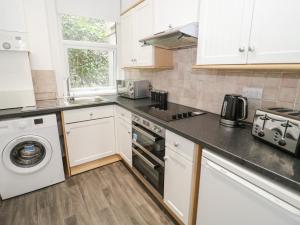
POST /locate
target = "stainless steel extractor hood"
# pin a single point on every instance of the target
(176, 38)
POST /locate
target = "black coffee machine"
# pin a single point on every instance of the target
(234, 110)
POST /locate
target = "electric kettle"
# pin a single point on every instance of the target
(234, 110)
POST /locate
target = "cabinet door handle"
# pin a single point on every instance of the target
(68, 132)
(166, 158)
(241, 49)
(251, 49)
(91, 114)
(176, 144)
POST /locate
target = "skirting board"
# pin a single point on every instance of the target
(95, 164)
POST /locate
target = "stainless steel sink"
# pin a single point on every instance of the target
(84, 100)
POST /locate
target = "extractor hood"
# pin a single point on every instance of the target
(175, 38)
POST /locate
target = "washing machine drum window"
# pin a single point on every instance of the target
(27, 154)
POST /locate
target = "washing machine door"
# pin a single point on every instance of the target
(27, 154)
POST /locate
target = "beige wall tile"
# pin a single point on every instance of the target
(44, 84)
(268, 104)
(270, 93)
(287, 94)
(205, 89)
(290, 80)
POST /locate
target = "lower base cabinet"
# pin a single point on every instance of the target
(90, 140)
(178, 184)
(124, 140)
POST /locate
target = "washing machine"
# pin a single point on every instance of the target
(30, 155)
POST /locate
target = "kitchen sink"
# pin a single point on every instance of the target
(84, 100)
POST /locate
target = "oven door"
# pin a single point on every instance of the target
(149, 142)
(150, 169)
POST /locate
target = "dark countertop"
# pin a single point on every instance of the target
(235, 144)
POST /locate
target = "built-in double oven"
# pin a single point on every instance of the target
(148, 151)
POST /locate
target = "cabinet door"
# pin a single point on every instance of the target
(275, 36)
(178, 181)
(90, 140)
(173, 13)
(127, 40)
(224, 30)
(143, 27)
(12, 16)
(123, 133)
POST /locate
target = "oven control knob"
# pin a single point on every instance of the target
(282, 142)
(157, 129)
(261, 133)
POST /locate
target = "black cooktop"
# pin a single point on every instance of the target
(171, 111)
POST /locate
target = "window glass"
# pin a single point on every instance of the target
(78, 28)
(90, 68)
(90, 50)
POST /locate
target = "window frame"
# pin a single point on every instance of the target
(88, 45)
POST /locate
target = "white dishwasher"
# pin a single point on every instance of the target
(232, 195)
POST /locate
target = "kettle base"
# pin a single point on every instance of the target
(229, 123)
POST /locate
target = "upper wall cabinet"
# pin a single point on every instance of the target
(12, 16)
(135, 25)
(275, 35)
(224, 31)
(248, 32)
(173, 13)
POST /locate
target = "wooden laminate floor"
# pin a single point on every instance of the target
(109, 195)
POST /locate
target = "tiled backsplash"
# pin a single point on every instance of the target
(205, 89)
(44, 84)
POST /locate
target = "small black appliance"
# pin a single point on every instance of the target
(234, 110)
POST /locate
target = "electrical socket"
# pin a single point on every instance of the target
(254, 93)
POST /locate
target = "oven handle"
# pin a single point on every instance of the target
(144, 133)
(153, 166)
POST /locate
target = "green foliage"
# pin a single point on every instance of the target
(92, 66)
(84, 29)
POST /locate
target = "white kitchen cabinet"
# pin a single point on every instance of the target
(178, 184)
(137, 24)
(12, 16)
(248, 32)
(173, 13)
(224, 31)
(124, 140)
(90, 133)
(143, 28)
(127, 51)
(275, 32)
(90, 140)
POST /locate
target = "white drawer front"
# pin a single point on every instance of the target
(76, 115)
(123, 113)
(180, 145)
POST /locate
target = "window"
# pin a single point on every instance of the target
(90, 49)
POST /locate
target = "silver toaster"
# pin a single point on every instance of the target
(279, 127)
(134, 89)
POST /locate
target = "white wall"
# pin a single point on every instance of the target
(125, 4)
(38, 34)
(105, 9)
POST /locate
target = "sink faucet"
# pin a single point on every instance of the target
(69, 86)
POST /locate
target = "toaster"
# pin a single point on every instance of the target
(278, 126)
